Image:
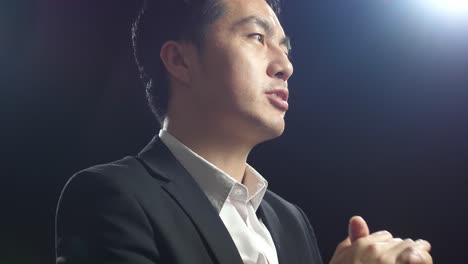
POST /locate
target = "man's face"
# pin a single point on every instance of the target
(241, 76)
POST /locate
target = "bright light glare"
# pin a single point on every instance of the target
(450, 7)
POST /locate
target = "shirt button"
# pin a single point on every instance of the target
(238, 192)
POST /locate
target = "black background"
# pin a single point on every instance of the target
(377, 123)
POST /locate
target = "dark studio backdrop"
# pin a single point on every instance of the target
(377, 126)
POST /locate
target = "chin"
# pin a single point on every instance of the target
(278, 131)
(271, 130)
(260, 128)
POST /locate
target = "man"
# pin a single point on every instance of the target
(216, 74)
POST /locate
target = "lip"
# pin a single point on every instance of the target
(280, 92)
(279, 98)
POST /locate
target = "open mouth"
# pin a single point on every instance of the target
(279, 98)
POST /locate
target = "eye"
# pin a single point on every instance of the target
(259, 37)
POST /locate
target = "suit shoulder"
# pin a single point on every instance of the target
(120, 174)
(276, 200)
(116, 168)
(283, 207)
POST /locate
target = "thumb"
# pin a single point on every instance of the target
(357, 228)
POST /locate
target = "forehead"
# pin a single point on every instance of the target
(238, 10)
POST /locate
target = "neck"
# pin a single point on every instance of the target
(216, 146)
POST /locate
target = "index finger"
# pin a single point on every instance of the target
(381, 236)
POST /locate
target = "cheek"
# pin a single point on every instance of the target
(234, 77)
(250, 79)
(247, 71)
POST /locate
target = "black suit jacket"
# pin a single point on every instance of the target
(147, 209)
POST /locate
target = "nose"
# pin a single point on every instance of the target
(280, 66)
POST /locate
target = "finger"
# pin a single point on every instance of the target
(379, 251)
(357, 228)
(373, 244)
(423, 244)
(381, 236)
(411, 252)
(394, 251)
(398, 248)
(412, 255)
(390, 242)
(418, 244)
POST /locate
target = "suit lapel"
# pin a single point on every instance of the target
(183, 188)
(272, 223)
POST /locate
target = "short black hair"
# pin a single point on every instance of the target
(159, 21)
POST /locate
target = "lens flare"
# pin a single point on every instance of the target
(450, 7)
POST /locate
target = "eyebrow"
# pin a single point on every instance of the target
(285, 41)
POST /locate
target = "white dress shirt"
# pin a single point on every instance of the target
(235, 202)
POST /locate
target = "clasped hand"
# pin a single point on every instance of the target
(360, 247)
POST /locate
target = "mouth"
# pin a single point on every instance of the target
(279, 98)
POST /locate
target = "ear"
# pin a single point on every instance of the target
(176, 58)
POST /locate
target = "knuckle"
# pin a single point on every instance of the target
(411, 255)
(372, 249)
(407, 243)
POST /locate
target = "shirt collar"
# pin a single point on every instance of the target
(216, 184)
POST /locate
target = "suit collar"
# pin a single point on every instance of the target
(272, 223)
(157, 158)
(215, 183)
